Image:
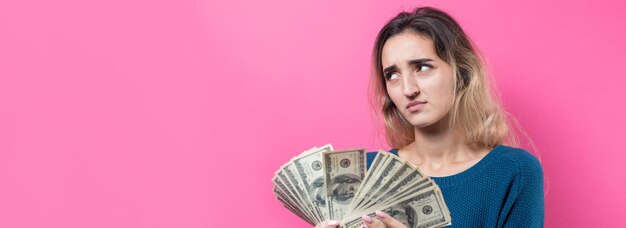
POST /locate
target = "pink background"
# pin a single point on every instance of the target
(177, 113)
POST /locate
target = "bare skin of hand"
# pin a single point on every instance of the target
(381, 220)
(328, 224)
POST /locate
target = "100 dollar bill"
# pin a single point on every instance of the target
(343, 173)
(422, 209)
(309, 167)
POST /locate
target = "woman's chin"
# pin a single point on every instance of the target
(428, 122)
(419, 121)
(424, 124)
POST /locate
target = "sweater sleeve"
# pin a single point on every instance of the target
(526, 199)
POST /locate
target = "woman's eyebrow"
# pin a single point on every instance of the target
(410, 62)
(390, 68)
(419, 61)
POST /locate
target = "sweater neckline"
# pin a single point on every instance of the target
(471, 171)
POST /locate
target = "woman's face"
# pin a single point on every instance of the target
(414, 74)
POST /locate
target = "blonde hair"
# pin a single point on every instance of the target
(476, 109)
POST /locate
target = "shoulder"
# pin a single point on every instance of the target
(519, 161)
(524, 192)
(519, 156)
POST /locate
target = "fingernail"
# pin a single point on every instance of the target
(381, 214)
(332, 223)
(367, 219)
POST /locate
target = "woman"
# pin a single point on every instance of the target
(431, 86)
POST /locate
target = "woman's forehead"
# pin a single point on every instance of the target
(405, 46)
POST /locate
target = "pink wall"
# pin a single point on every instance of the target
(176, 113)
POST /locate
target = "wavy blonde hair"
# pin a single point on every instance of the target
(476, 109)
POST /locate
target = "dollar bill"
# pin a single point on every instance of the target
(291, 174)
(423, 209)
(322, 184)
(391, 164)
(309, 168)
(406, 177)
(284, 185)
(291, 207)
(378, 160)
(294, 171)
(343, 174)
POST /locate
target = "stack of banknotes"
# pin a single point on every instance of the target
(323, 184)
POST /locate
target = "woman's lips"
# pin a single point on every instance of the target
(415, 106)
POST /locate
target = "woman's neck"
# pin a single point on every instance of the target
(439, 148)
(436, 147)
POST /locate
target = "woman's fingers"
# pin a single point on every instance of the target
(331, 224)
(388, 221)
(328, 224)
(368, 222)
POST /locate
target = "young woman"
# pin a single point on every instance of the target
(432, 88)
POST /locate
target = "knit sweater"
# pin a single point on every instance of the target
(504, 189)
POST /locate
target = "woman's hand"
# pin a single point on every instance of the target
(382, 220)
(327, 224)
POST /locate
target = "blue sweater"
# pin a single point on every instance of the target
(504, 189)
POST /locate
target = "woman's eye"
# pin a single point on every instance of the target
(391, 76)
(422, 68)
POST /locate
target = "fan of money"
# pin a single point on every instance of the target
(323, 184)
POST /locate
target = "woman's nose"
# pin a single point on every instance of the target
(410, 88)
